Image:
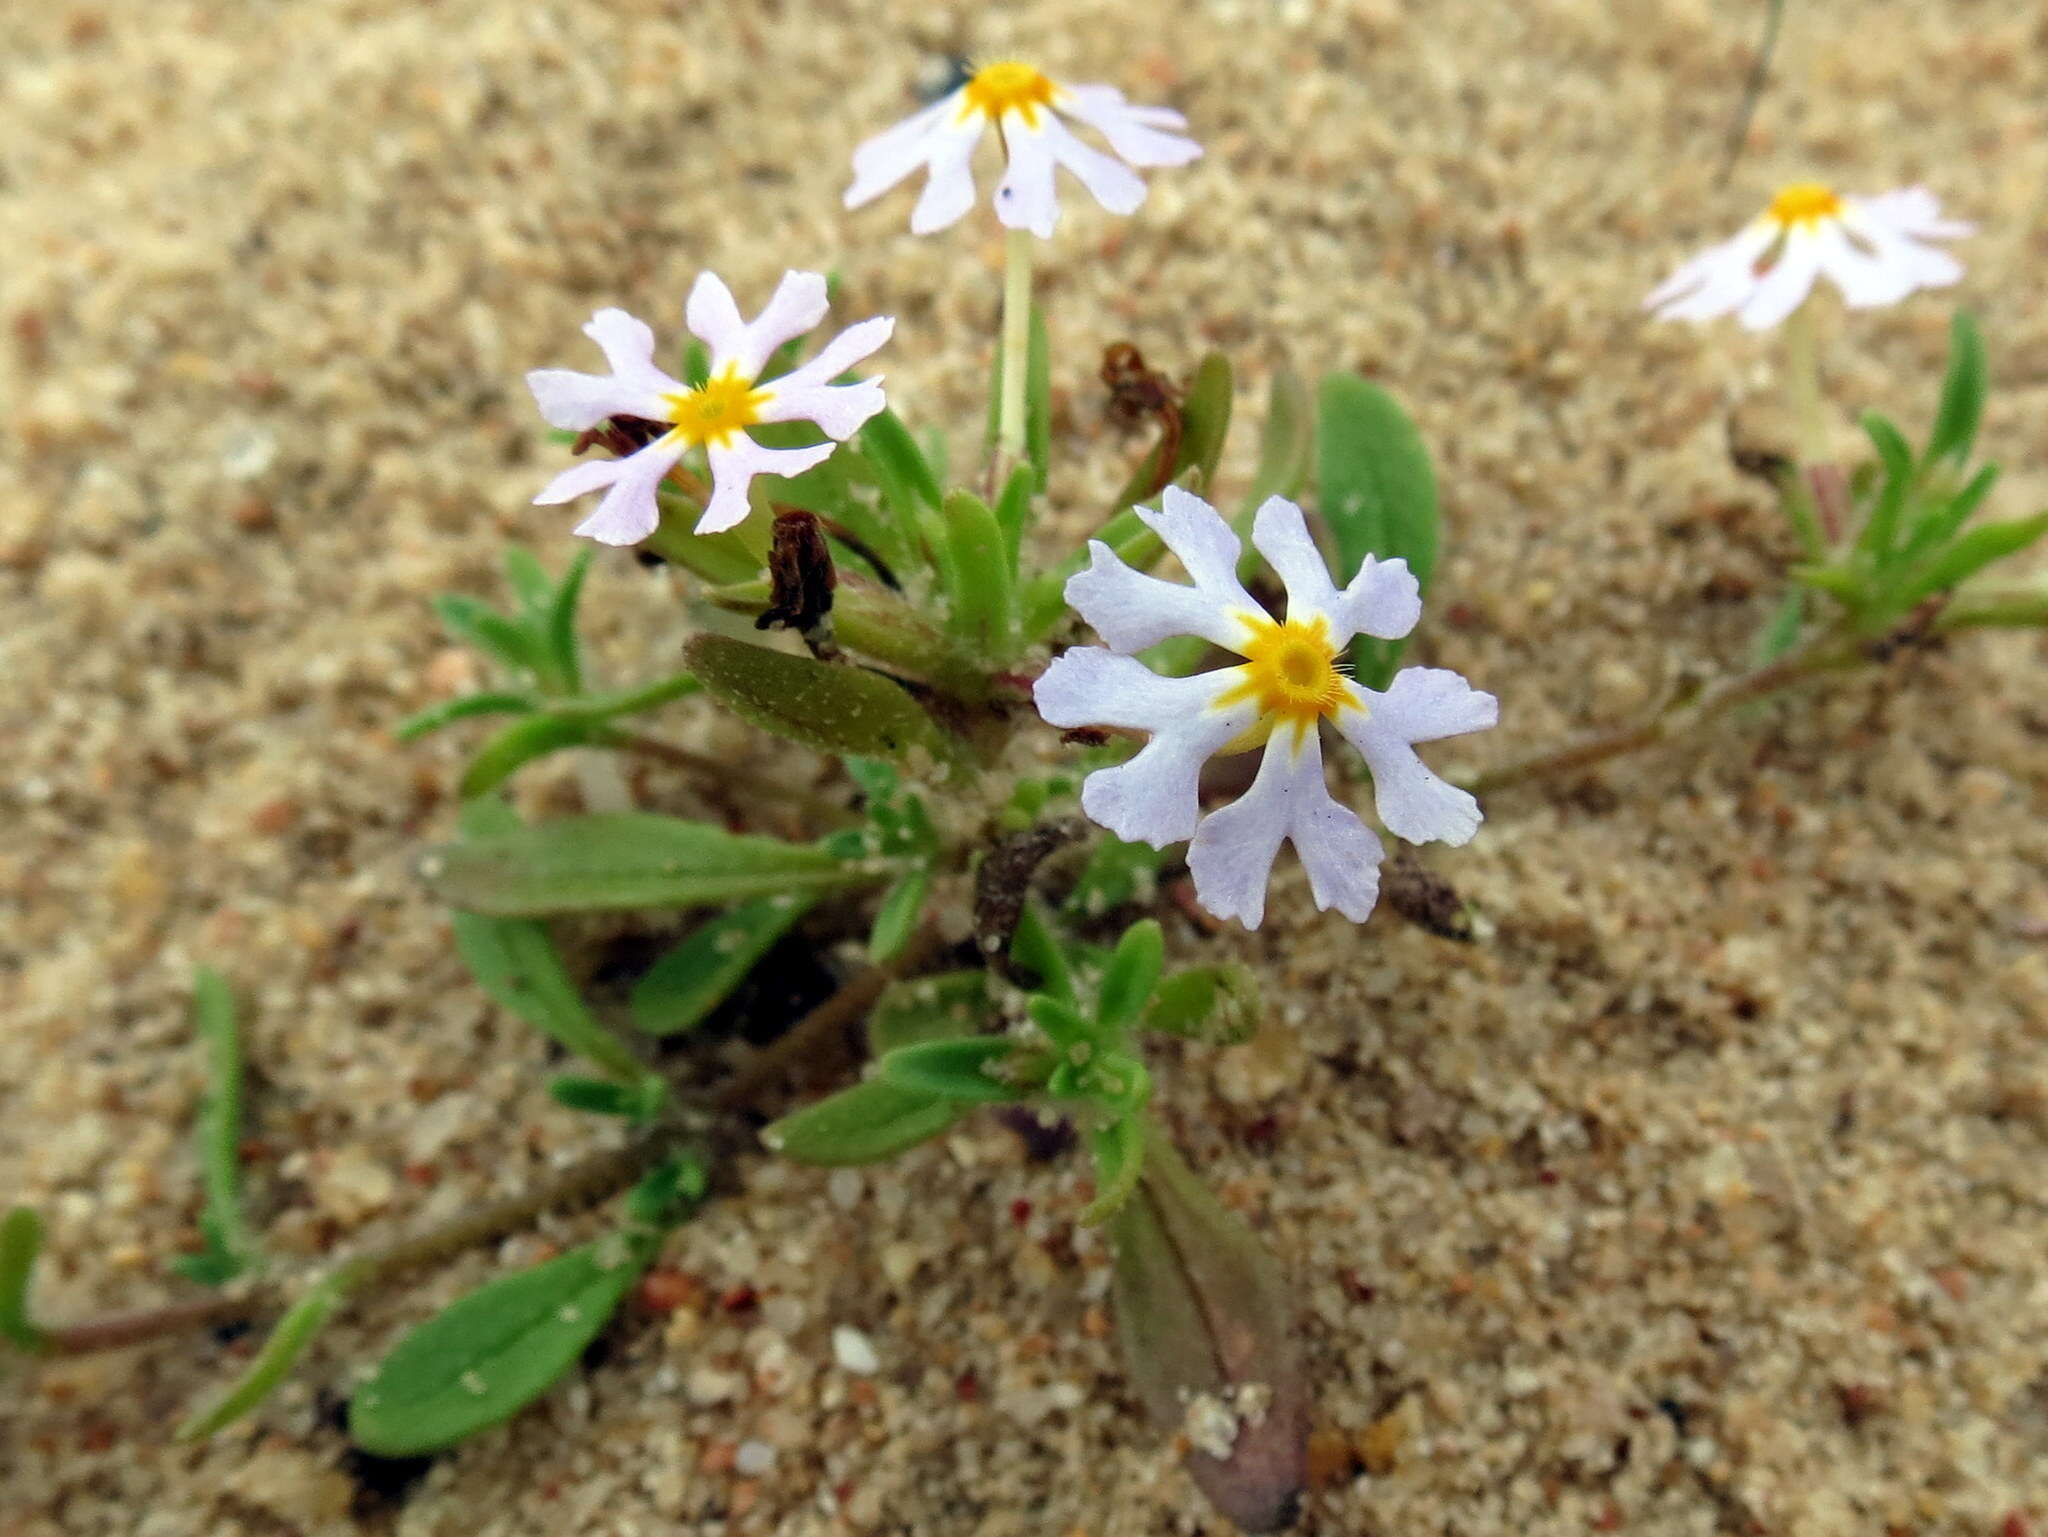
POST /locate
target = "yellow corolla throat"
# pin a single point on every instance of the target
(1292, 669)
(716, 409)
(1805, 203)
(1008, 86)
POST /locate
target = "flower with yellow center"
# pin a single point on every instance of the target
(1029, 111)
(1875, 251)
(1291, 681)
(711, 417)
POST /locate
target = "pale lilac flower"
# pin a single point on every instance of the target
(1874, 249)
(1027, 108)
(713, 416)
(1291, 681)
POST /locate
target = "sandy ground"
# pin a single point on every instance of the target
(1702, 1197)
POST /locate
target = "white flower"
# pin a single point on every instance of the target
(713, 416)
(1873, 248)
(1290, 682)
(1027, 107)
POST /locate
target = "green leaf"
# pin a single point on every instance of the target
(1217, 1004)
(529, 582)
(1971, 554)
(1962, 394)
(21, 1240)
(230, 1247)
(1880, 531)
(864, 1124)
(514, 960)
(1119, 1150)
(1287, 441)
(602, 1096)
(533, 736)
(687, 983)
(981, 608)
(1038, 399)
(828, 707)
(622, 860)
(299, 1327)
(957, 1070)
(482, 1359)
(933, 1008)
(901, 909)
(1063, 1024)
(909, 489)
(1938, 523)
(1782, 633)
(1205, 424)
(878, 623)
(1117, 873)
(1013, 512)
(1378, 496)
(559, 621)
(1132, 973)
(434, 717)
(628, 701)
(483, 628)
(731, 556)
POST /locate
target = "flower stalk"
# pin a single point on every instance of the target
(1010, 445)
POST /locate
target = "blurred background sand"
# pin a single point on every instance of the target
(1702, 1197)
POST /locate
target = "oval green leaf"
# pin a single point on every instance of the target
(691, 980)
(827, 707)
(864, 1124)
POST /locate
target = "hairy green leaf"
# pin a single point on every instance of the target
(871, 1121)
(21, 1240)
(1881, 529)
(976, 562)
(1119, 1150)
(1962, 394)
(528, 738)
(933, 1008)
(469, 706)
(687, 983)
(230, 1247)
(827, 707)
(1132, 973)
(1971, 554)
(897, 919)
(299, 1327)
(1378, 496)
(514, 960)
(960, 1070)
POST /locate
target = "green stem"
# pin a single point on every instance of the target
(1802, 387)
(1010, 435)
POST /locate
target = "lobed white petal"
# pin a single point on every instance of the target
(1912, 211)
(1384, 600)
(1786, 284)
(579, 479)
(629, 511)
(1716, 282)
(1025, 197)
(1870, 275)
(735, 463)
(628, 347)
(1231, 858)
(1110, 182)
(949, 192)
(713, 317)
(1132, 611)
(840, 410)
(849, 347)
(796, 308)
(574, 401)
(1422, 704)
(1153, 798)
(1133, 133)
(1280, 533)
(895, 153)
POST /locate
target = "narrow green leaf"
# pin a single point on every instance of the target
(1132, 973)
(909, 489)
(514, 961)
(469, 706)
(526, 739)
(1038, 400)
(1035, 949)
(1063, 1024)
(482, 1359)
(1962, 394)
(21, 1240)
(299, 1327)
(230, 1247)
(1971, 554)
(1013, 513)
(1287, 441)
(980, 607)
(827, 707)
(1937, 524)
(880, 624)
(731, 556)
(560, 622)
(1880, 531)
(1117, 873)
(933, 1008)
(628, 701)
(1378, 495)
(529, 582)
(1217, 1004)
(871, 1121)
(1782, 633)
(483, 628)
(897, 919)
(687, 983)
(958, 1070)
(1119, 1150)
(621, 860)
(602, 1096)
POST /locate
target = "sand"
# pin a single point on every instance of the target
(1702, 1195)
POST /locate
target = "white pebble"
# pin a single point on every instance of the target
(854, 1352)
(754, 1458)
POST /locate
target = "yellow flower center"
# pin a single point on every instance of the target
(1291, 669)
(1804, 202)
(716, 409)
(1008, 87)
